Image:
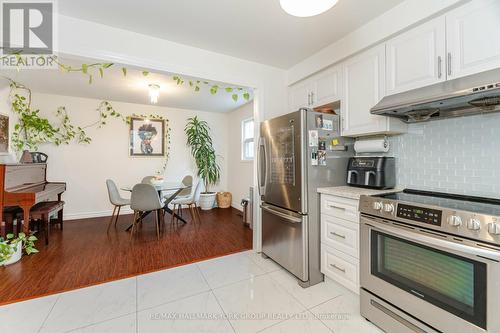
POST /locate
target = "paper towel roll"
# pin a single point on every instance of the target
(380, 145)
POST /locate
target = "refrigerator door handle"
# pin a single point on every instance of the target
(286, 216)
(262, 171)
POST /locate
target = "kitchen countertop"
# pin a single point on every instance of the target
(352, 192)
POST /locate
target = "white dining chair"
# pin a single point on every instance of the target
(116, 200)
(148, 180)
(187, 181)
(190, 201)
(145, 199)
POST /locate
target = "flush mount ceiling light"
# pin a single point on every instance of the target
(302, 8)
(154, 93)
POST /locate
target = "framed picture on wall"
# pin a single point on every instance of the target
(4, 134)
(147, 137)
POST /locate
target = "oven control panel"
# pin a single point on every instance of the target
(419, 214)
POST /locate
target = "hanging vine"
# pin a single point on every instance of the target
(32, 129)
(90, 70)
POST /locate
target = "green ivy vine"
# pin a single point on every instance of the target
(32, 129)
(90, 70)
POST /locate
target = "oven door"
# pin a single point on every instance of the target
(451, 286)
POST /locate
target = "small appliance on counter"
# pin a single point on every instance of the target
(372, 172)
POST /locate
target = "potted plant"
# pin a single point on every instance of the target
(200, 141)
(11, 248)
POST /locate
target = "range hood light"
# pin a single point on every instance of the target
(306, 8)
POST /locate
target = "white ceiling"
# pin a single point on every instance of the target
(132, 88)
(256, 30)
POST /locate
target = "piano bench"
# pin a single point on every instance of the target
(42, 212)
(10, 214)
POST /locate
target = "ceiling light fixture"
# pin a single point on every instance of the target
(307, 8)
(154, 93)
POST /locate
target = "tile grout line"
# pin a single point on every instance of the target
(312, 307)
(322, 323)
(216, 299)
(48, 314)
(174, 300)
(99, 322)
(277, 323)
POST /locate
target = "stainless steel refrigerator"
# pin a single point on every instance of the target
(298, 153)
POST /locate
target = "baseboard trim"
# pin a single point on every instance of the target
(87, 215)
(237, 206)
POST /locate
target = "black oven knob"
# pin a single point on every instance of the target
(455, 221)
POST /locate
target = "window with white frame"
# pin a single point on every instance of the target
(247, 143)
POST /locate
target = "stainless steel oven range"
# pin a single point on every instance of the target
(430, 262)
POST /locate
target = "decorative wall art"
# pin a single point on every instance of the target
(147, 137)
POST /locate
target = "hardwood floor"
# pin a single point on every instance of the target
(84, 254)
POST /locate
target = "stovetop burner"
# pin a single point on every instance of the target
(471, 204)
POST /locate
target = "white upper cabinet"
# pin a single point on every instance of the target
(326, 86)
(299, 96)
(363, 87)
(472, 38)
(417, 58)
(321, 89)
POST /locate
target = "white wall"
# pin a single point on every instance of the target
(85, 168)
(240, 173)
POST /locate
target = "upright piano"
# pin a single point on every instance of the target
(25, 185)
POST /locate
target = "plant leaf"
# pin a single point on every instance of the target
(85, 68)
(246, 96)
(145, 73)
(235, 97)
(101, 72)
(229, 90)
(124, 71)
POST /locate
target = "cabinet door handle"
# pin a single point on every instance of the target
(338, 268)
(308, 99)
(449, 63)
(336, 207)
(439, 67)
(312, 98)
(336, 234)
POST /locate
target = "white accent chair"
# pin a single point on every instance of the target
(145, 199)
(116, 200)
(190, 201)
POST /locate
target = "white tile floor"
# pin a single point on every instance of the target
(236, 293)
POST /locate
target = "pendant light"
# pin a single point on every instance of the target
(154, 93)
(306, 8)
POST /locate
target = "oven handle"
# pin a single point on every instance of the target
(432, 242)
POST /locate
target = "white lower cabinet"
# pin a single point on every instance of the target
(340, 240)
(340, 267)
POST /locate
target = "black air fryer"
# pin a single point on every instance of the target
(372, 172)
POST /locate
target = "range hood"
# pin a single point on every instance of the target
(469, 95)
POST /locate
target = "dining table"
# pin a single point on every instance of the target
(167, 191)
